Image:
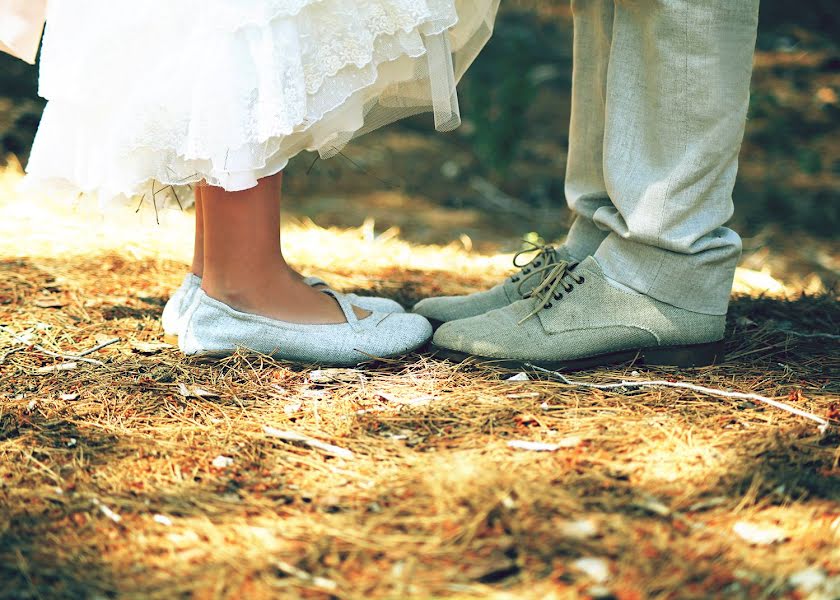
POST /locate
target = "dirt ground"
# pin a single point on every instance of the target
(145, 475)
(133, 473)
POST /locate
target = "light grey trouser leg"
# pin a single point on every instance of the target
(677, 96)
(586, 190)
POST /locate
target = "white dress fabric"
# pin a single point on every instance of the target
(21, 24)
(227, 91)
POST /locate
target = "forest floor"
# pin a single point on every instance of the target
(147, 475)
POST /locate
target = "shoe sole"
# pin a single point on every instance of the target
(688, 356)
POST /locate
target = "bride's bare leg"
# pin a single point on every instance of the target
(198, 247)
(243, 262)
(197, 267)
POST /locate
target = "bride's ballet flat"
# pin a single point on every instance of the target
(214, 329)
(175, 309)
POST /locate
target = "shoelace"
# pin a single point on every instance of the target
(553, 277)
(546, 256)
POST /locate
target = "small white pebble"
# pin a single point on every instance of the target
(808, 580)
(571, 441)
(579, 530)
(71, 442)
(107, 511)
(597, 569)
(597, 592)
(450, 169)
(759, 535)
(544, 406)
(519, 377)
(635, 373)
(31, 406)
(163, 520)
(222, 462)
(69, 397)
(292, 408)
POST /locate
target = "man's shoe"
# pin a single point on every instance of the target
(576, 318)
(214, 329)
(173, 313)
(443, 309)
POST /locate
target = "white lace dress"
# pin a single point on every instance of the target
(227, 91)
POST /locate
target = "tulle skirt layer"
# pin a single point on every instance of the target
(227, 92)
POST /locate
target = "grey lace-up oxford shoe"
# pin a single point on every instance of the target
(575, 318)
(443, 309)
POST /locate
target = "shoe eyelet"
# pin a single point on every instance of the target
(514, 279)
(526, 271)
(569, 289)
(537, 264)
(549, 305)
(558, 296)
(581, 280)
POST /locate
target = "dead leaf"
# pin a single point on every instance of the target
(65, 366)
(533, 446)
(322, 376)
(49, 303)
(149, 347)
(519, 377)
(194, 391)
(416, 401)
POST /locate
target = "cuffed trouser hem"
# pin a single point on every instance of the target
(699, 284)
(584, 238)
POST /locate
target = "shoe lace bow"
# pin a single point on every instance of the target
(553, 278)
(545, 256)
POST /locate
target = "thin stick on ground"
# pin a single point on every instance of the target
(66, 357)
(98, 347)
(823, 423)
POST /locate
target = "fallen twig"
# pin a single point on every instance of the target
(107, 511)
(819, 336)
(823, 423)
(66, 357)
(98, 347)
(292, 436)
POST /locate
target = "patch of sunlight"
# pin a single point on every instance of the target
(674, 461)
(65, 225)
(58, 225)
(61, 225)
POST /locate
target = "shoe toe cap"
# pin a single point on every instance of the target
(399, 333)
(459, 335)
(495, 334)
(447, 308)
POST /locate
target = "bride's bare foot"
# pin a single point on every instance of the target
(242, 261)
(282, 296)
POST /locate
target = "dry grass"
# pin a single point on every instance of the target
(433, 502)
